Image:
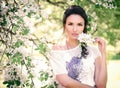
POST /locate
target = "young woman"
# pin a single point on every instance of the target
(78, 65)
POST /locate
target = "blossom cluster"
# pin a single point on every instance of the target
(106, 3)
(14, 74)
(85, 38)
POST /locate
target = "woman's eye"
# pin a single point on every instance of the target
(79, 24)
(70, 24)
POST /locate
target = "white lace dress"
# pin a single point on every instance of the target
(82, 70)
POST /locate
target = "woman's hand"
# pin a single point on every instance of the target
(101, 45)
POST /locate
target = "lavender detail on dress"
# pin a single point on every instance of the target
(74, 67)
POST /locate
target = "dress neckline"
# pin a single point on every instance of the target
(68, 50)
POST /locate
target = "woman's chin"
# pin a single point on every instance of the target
(75, 38)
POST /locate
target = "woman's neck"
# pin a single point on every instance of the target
(71, 44)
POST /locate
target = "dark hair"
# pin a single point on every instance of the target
(74, 9)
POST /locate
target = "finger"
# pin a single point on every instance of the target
(97, 39)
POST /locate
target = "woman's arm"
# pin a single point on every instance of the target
(68, 82)
(101, 65)
(64, 79)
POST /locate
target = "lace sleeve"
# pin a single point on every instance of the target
(96, 52)
(58, 63)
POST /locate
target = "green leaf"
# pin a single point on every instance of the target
(11, 82)
(42, 47)
(8, 86)
(15, 73)
(20, 20)
(89, 29)
(17, 58)
(15, 27)
(8, 54)
(0, 9)
(46, 76)
(44, 86)
(29, 14)
(17, 82)
(16, 17)
(55, 83)
(5, 82)
(77, 2)
(97, 6)
(24, 10)
(51, 86)
(28, 61)
(89, 18)
(19, 43)
(4, 22)
(25, 31)
(14, 9)
(30, 75)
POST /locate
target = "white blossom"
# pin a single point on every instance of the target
(4, 10)
(93, 1)
(94, 26)
(110, 0)
(10, 74)
(85, 38)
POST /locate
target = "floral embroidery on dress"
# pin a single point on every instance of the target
(74, 67)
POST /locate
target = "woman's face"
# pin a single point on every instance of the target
(74, 26)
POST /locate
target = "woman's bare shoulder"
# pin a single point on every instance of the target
(58, 47)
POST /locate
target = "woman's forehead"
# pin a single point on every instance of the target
(75, 17)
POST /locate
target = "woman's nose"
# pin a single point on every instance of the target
(74, 28)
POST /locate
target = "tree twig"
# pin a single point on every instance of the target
(58, 4)
(6, 29)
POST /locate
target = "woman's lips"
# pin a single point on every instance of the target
(75, 34)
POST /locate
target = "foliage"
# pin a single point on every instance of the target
(116, 57)
(15, 36)
(104, 18)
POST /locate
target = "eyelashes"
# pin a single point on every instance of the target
(70, 23)
(79, 24)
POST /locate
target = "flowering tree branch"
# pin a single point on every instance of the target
(58, 3)
(7, 30)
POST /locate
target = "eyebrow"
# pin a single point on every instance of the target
(72, 22)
